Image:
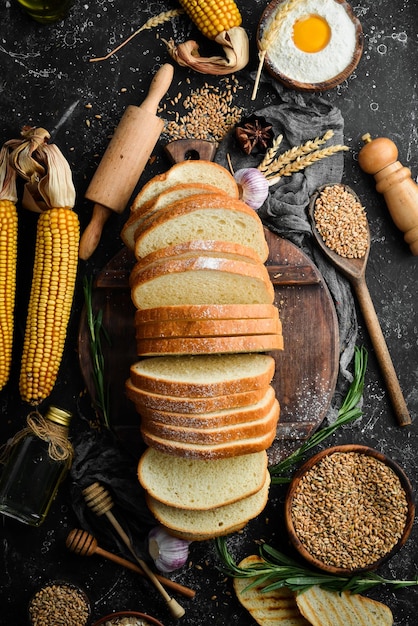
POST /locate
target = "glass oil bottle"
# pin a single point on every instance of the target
(36, 461)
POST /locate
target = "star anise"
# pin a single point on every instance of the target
(254, 133)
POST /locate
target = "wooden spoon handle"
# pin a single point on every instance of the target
(382, 352)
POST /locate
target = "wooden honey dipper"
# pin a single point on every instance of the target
(83, 543)
(101, 503)
(393, 180)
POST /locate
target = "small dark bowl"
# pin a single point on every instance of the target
(296, 541)
(307, 86)
(112, 616)
(63, 583)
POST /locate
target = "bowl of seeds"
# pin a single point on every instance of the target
(349, 509)
(57, 599)
(127, 618)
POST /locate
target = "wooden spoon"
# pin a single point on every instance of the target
(354, 270)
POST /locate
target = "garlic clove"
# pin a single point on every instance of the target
(168, 553)
(253, 186)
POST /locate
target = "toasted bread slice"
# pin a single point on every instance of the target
(275, 608)
(332, 608)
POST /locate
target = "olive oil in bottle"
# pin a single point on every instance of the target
(37, 460)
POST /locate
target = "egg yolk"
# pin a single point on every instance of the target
(311, 33)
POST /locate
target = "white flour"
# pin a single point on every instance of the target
(313, 67)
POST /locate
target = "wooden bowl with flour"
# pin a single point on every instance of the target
(310, 45)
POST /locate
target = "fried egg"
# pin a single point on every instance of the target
(314, 42)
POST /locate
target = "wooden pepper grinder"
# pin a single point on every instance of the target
(393, 180)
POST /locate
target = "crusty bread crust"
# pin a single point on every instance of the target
(206, 311)
(200, 247)
(209, 345)
(208, 328)
(217, 434)
(209, 451)
(190, 405)
(203, 376)
(214, 419)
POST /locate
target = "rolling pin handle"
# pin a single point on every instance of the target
(91, 235)
(158, 88)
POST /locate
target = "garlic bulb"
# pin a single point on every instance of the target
(168, 552)
(253, 185)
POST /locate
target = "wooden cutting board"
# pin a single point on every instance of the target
(306, 370)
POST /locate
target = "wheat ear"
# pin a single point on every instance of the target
(154, 21)
(300, 163)
(290, 155)
(269, 36)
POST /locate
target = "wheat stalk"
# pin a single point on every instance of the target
(271, 166)
(268, 37)
(301, 162)
(270, 154)
(153, 22)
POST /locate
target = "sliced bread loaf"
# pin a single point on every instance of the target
(208, 328)
(209, 216)
(199, 171)
(200, 247)
(190, 404)
(195, 484)
(203, 311)
(201, 281)
(207, 524)
(217, 434)
(203, 376)
(209, 345)
(167, 197)
(210, 450)
(214, 419)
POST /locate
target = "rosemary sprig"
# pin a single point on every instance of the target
(348, 412)
(96, 330)
(277, 570)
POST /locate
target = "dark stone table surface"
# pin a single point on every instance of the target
(46, 80)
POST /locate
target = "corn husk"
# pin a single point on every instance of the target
(235, 45)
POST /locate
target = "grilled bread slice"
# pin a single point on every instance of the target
(275, 608)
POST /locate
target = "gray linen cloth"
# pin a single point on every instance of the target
(300, 118)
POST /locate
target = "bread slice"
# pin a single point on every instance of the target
(272, 608)
(199, 171)
(164, 199)
(214, 435)
(214, 419)
(208, 524)
(200, 247)
(201, 281)
(195, 484)
(190, 404)
(209, 311)
(200, 376)
(209, 216)
(209, 345)
(322, 607)
(211, 450)
(208, 328)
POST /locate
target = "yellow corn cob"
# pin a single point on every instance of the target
(52, 291)
(212, 17)
(8, 257)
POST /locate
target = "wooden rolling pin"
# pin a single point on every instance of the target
(84, 544)
(124, 160)
(393, 180)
